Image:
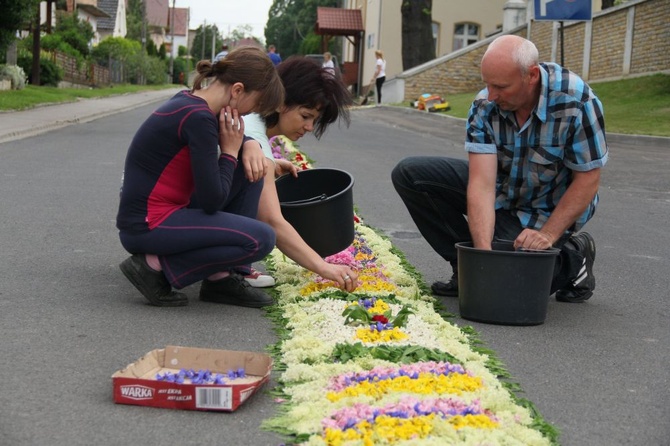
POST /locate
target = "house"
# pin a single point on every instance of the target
(629, 39)
(157, 15)
(456, 24)
(115, 24)
(180, 17)
(87, 11)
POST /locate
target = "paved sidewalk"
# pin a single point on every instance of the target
(20, 124)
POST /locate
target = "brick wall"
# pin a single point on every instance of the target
(651, 38)
(459, 72)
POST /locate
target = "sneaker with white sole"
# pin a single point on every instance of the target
(259, 280)
(582, 286)
(234, 290)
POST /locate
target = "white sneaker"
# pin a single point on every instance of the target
(259, 280)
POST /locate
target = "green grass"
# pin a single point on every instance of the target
(638, 106)
(32, 96)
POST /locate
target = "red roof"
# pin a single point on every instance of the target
(180, 21)
(338, 22)
(157, 12)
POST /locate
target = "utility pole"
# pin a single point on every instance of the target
(204, 39)
(172, 24)
(213, 44)
(144, 41)
(35, 73)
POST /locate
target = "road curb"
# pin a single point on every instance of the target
(623, 138)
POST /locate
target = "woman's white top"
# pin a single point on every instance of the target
(254, 126)
(329, 65)
(381, 63)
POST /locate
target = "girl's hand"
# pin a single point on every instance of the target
(231, 131)
(254, 161)
(283, 167)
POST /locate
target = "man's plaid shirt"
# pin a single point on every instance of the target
(565, 132)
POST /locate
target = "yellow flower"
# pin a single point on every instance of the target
(385, 428)
(477, 421)
(371, 336)
(426, 384)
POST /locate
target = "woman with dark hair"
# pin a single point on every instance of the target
(190, 146)
(313, 100)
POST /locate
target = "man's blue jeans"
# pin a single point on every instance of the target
(434, 190)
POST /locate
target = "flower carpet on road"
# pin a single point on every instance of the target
(382, 366)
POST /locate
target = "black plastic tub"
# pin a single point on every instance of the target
(319, 204)
(504, 286)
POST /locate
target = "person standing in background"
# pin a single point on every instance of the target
(328, 64)
(380, 74)
(221, 54)
(273, 55)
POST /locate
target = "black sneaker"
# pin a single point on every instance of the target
(234, 290)
(581, 288)
(152, 284)
(449, 289)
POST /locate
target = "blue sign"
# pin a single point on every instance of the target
(560, 10)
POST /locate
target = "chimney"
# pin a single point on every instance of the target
(514, 14)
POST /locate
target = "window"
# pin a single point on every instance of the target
(465, 34)
(436, 38)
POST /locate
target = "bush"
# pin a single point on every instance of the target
(54, 42)
(16, 74)
(115, 48)
(181, 65)
(146, 69)
(50, 73)
(75, 32)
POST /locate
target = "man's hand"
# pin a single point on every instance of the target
(535, 240)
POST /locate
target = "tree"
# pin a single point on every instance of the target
(417, 32)
(290, 22)
(134, 19)
(14, 16)
(241, 32)
(75, 32)
(202, 42)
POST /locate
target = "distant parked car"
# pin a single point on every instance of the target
(319, 58)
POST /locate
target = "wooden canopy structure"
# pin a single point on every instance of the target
(348, 23)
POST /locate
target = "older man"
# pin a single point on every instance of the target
(535, 138)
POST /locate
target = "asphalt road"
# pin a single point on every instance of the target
(598, 371)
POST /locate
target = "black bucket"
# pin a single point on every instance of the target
(319, 204)
(504, 286)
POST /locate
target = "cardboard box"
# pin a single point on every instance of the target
(138, 384)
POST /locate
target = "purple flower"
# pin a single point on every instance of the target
(219, 379)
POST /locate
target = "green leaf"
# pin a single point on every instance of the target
(356, 313)
(401, 318)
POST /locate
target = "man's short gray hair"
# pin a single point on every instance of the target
(524, 53)
(526, 56)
